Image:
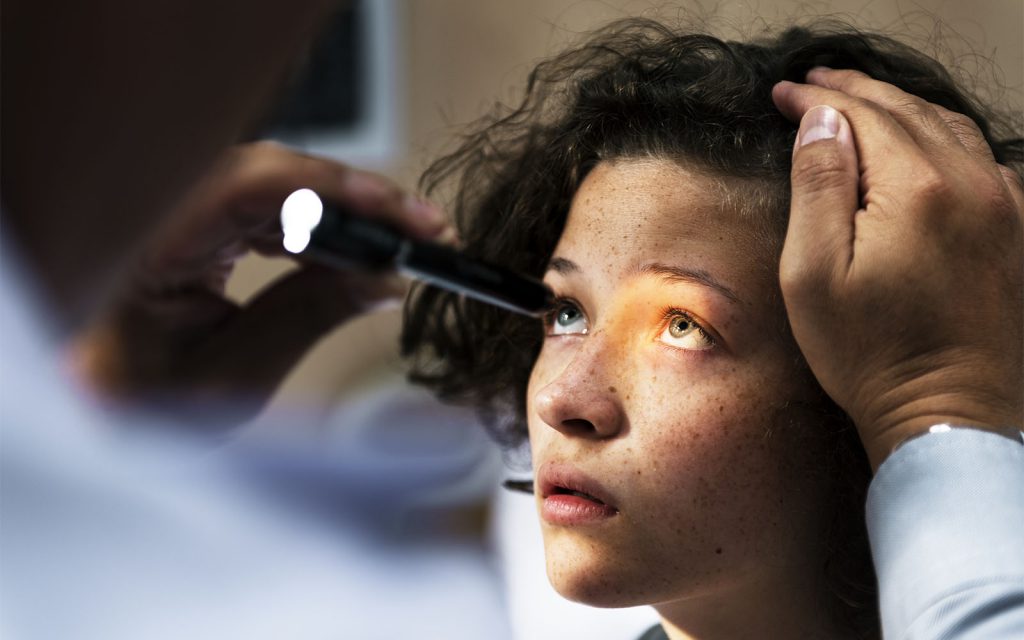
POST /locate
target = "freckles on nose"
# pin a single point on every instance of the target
(578, 407)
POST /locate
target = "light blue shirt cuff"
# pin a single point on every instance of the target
(945, 515)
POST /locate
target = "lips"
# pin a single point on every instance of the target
(570, 498)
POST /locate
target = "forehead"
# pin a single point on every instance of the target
(631, 211)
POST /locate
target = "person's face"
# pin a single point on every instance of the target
(666, 389)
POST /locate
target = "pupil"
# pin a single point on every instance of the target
(680, 327)
(566, 316)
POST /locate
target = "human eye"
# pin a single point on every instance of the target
(566, 318)
(683, 332)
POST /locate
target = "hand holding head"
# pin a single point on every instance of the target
(902, 269)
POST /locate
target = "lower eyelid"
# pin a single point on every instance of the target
(563, 338)
(711, 347)
(680, 352)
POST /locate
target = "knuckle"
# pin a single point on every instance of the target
(804, 291)
(985, 202)
(991, 194)
(849, 79)
(932, 187)
(337, 172)
(267, 159)
(1002, 207)
(792, 275)
(817, 169)
(963, 126)
(374, 189)
(967, 131)
(1013, 179)
(264, 146)
(267, 155)
(912, 108)
(803, 278)
(394, 194)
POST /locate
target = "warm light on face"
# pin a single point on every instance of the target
(300, 214)
(658, 379)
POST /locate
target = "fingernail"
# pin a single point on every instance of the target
(425, 211)
(820, 123)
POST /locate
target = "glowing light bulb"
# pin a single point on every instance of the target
(295, 241)
(300, 214)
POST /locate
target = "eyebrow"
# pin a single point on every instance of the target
(672, 273)
(563, 266)
(689, 276)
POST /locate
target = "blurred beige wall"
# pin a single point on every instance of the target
(460, 56)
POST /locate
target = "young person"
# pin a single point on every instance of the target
(115, 191)
(684, 454)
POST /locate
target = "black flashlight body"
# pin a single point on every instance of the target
(345, 240)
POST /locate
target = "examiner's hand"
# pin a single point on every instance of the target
(174, 341)
(903, 268)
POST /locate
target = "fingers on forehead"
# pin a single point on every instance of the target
(872, 125)
(859, 84)
(907, 108)
(936, 128)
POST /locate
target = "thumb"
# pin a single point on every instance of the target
(825, 182)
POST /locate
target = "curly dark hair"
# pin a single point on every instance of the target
(638, 88)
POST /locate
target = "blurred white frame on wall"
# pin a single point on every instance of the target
(374, 140)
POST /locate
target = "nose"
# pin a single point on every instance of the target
(580, 401)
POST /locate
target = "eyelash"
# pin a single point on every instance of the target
(672, 312)
(557, 307)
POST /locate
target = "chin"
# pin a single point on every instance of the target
(596, 582)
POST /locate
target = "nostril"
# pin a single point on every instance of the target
(579, 426)
(580, 409)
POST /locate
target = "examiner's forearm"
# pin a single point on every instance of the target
(945, 515)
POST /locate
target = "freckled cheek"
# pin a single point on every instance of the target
(705, 445)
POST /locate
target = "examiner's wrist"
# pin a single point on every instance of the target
(1013, 433)
(888, 415)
